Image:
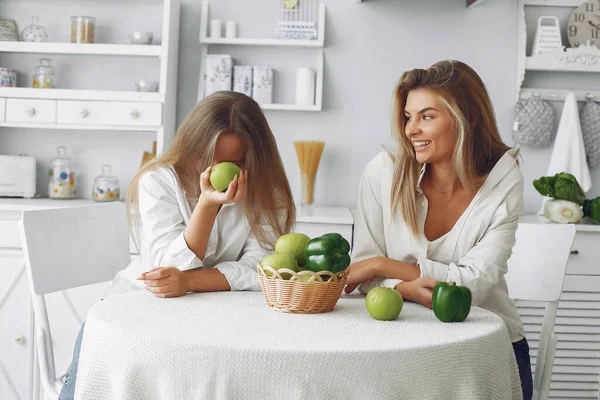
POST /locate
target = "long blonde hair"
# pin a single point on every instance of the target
(269, 204)
(478, 147)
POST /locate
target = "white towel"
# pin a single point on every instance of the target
(568, 154)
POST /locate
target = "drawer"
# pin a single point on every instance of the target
(137, 114)
(315, 229)
(81, 112)
(2, 108)
(30, 110)
(585, 254)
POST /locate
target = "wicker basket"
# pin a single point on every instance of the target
(301, 297)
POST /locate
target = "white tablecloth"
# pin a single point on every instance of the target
(232, 346)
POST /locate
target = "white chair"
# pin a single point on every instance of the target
(66, 248)
(536, 272)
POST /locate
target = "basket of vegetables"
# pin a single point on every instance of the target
(568, 203)
(305, 276)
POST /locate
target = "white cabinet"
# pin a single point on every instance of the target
(2, 109)
(576, 372)
(16, 324)
(81, 112)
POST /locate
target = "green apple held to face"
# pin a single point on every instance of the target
(384, 304)
(278, 261)
(222, 174)
(294, 243)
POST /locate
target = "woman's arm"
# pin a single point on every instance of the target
(486, 263)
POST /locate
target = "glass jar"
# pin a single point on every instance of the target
(61, 184)
(43, 77)
(106, 186)
(83, 29)
(34, 32)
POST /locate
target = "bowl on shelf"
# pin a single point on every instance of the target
(145, 86)
(140, 37)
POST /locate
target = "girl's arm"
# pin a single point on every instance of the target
(203, 217)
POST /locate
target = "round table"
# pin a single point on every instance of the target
(232, 346)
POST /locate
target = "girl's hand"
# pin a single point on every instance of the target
(165, 282)
(420, 290)
(360, 272)
(235, 192)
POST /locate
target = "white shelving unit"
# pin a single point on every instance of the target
(79, 109)
(317, 45)
(581, 59)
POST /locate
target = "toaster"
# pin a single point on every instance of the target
(17, 176)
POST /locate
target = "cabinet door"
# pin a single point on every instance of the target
(16, 339)
(576, 371)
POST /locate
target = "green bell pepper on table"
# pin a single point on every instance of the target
(328, 252)
(591, 208)
(451, 303)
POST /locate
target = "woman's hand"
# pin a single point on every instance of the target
(235, 192)
(165, 282)
(420, 290)
(361, 271)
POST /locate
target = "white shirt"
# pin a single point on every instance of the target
(473, 254)
(165, 212)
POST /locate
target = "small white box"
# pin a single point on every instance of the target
(262, 84)
(218, 73)
(242, 79)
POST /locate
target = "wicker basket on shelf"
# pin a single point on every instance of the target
(319, 293)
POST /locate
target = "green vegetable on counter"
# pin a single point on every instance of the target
(451, 303)
(591, 208)
(562, 186)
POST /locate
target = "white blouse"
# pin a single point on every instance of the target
(473, 254)
(165, 212)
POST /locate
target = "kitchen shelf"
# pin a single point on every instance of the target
(553, 3)
(262, 42)
(80, 127)
(82, 48)
(584, 58)
(78, 94)
(316, 44)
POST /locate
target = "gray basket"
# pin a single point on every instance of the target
(590, 129)
(534, 122)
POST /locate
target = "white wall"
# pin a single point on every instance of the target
(368, 46)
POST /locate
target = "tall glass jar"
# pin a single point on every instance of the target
(61, 184)
(106, 186)
(43, 76)
(83, 29)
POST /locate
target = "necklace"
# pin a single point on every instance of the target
(440, 190)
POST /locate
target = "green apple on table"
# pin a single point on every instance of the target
(279, 261)
(294, 243)
(384, 304)
(222, 174)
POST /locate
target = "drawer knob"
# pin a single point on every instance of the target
(574, 252)
(30, 111)
(19, 339)
(83, 113)
(135, 114)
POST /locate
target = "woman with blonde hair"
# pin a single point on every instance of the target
(446, 205)
(193, 238)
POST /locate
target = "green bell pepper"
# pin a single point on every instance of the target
(328, 252)
(591, 208)
(451, 303)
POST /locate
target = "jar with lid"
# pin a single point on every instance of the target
(106, 186)
(34, 32)
(83, 29)
(43, 76)
(61, 184)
